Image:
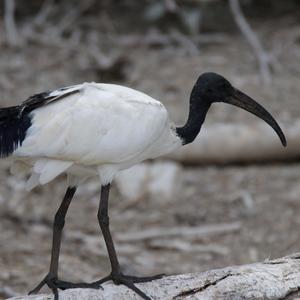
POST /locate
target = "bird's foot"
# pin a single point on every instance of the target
(129, 281)
(54, 284)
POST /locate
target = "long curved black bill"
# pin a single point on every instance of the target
(241, 100)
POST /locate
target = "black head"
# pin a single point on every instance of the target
(212, 87)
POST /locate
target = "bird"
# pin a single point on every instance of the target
(96, 130)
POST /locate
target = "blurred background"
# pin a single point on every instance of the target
(184, 213)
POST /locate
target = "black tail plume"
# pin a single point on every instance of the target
(15, 120)
(13, 127)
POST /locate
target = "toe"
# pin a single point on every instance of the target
(38, 287)
(131, 286)
(145, 279)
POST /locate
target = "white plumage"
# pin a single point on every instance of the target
(98, 131)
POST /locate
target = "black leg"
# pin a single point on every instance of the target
(104, 225)
(51, 278)
(116, 275)
(58, 225)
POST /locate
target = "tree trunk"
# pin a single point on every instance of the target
(271, 279)
(240, 143)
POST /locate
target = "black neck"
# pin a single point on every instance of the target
(197, 113)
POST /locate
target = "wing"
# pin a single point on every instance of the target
(45, 98)
(94, 124)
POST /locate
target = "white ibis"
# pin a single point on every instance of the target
(95, 129)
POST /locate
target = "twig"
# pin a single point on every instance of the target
(71, 17)
(29, 29)
(251, 37)
(9, 23)
(44, 12)
(194, 232)
(185, 42)
(187, 247)
(53, 35)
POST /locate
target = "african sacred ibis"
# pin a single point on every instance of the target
(95, 129)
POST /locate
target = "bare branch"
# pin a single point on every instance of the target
(9, 23)
(71, 17)
(251, 37)
(44, 12)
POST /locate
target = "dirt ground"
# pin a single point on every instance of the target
(261, 202)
